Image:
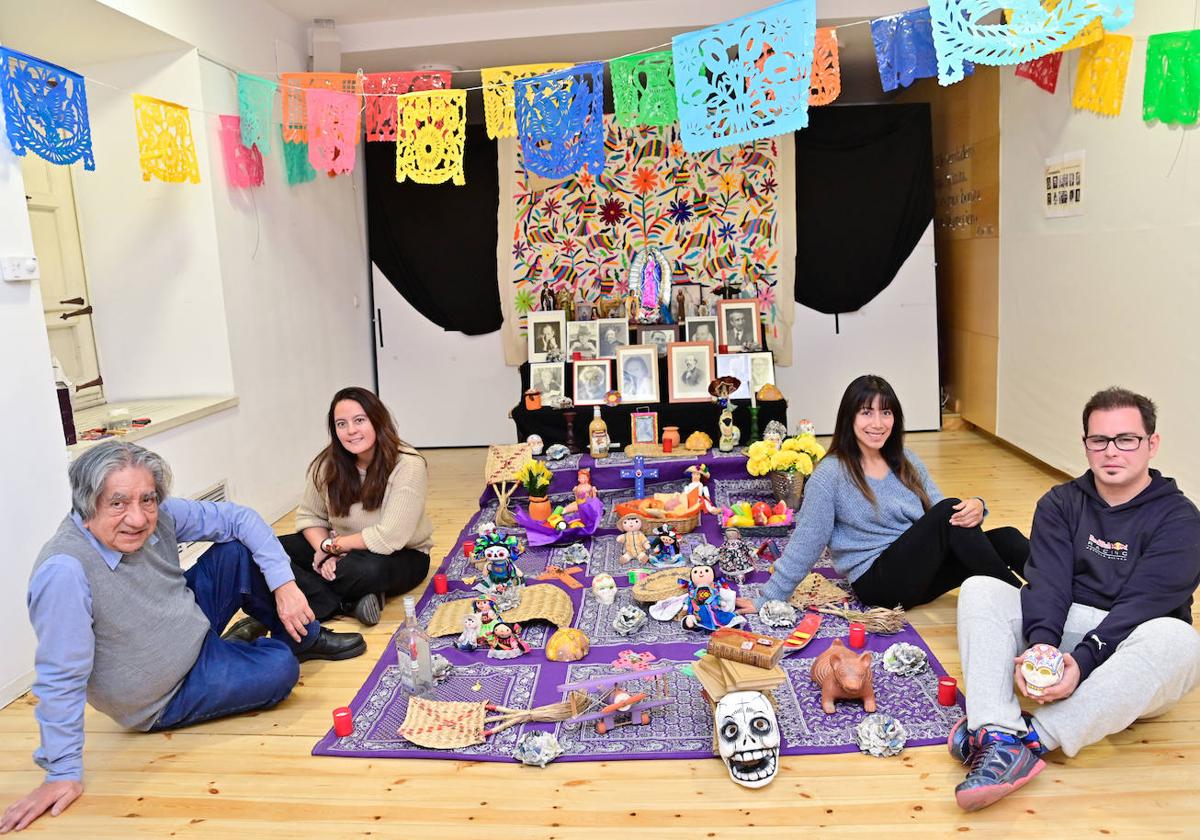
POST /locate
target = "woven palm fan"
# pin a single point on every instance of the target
(500, 471)
(816, 590)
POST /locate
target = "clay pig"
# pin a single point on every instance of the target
(844, 675)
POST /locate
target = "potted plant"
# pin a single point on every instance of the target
(535, 477)
(787, 466)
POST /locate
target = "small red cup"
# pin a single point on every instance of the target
(723, 348)
(468, 548)
(577, 356)
(947, 691)
(343, 722)
(858, 634)
(440, 585)
(668, 445)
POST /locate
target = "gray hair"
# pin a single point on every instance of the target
(89, 472)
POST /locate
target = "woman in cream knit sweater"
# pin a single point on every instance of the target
(362, 529)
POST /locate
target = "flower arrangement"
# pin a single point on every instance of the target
(798, 454)
(535, 477)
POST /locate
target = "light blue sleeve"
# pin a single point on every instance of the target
(226, 522)
(60, 610)
(814, 527)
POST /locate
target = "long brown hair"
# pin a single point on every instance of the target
(336, 470)
(861, 393)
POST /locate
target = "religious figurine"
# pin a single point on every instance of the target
(735, 558)
(546, 298)
(775, 433)
(566, 302)
(1042, 666)
(664, 548)
(649, 284)
(730, 434)
(583, 490)
(468, 639)
(633, 543)
(700, 476)
(506, 642)
(710, 600)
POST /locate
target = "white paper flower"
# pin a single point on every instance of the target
(777, 614)
(537, 749)
(880, 735)
(904, 659)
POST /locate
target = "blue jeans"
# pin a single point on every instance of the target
(232, 676)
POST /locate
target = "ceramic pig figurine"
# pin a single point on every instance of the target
(844, 675)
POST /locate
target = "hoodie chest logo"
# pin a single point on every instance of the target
(1116, 550)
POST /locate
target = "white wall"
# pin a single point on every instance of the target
(1110, 297)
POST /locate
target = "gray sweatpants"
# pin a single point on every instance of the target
(1156, 665)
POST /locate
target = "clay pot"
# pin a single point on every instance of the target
(539, 508)
(533, 400)
(670, 433)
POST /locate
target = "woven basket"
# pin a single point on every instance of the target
(682, 525)
(659, 586)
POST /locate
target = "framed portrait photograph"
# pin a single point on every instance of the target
(658, 335)
(614, 333)
(549, 378)
(547, 334)
(701, 328)
(689, 370)
(736, 364)
(637, 373)
(762, 370)
(740, 328)
(593, 379)
(583, 337)
(643, 426)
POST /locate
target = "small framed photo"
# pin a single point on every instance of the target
(659, 335)
(736, 364)
(637, 373)
(614, 333)
(547, 335)
(762, 370)
(702, 328)
(643, 426)
(593, 379)
(740, 327)
(549, 378)
(583, 337)
(689, 370)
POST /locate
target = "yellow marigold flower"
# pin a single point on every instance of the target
(759, 450)
(791, 444)
(804, 464)
(758, 466)
(784, 459)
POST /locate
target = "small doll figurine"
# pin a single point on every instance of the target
(710, 600)
(730, 434)
(488, 614)
(468, 639)
(506, 642)
(499, 555)
(700, 477)
(664, 548)
(1042, 666)
(485, 530)
(775, 433)
(583, 490)
(735, 558)
(633, 543)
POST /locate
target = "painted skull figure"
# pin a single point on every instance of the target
(1042, 667)
(604, 588)
(748, 738)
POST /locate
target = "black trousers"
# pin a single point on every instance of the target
(932, 557)
(359, 573)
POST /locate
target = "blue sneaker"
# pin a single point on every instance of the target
(959, 741)
(1000, 764)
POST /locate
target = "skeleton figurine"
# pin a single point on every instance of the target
(775, 433)
(1042, 667)
(748, 737)
(730, 434)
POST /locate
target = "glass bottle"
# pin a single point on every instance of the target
(412, 653)
(597, 435)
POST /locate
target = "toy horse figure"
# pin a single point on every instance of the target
(843, 675)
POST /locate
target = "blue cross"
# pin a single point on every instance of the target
(639, 474)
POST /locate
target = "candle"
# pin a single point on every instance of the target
(668, 445)
(753, 399)
(947, 691)
(343, 722)
(858, 634)
(440, 585)
(468, 548)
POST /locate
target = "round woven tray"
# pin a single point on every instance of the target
(659, 586)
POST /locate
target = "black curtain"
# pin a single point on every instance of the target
(864, 197)
(436, 243)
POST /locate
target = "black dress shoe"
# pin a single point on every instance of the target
(331, 645)
(246, 630)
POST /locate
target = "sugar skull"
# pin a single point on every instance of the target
(748, 737)
(536, 442)
(1042, 667)
(604, 588)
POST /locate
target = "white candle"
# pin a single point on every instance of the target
(753, 399)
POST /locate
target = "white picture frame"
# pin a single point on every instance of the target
(689, 371)
(762, 369)
(614, 333)
(637, 373)
(542, 374)
(541, 328)
(702, 328)
(740, 328)
(592, 380)
(736, 364)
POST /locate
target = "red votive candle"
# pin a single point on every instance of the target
(343, 722)
(858, 634)
(577, 356)
(468, 548)
(723, 348)
(947, 691)
(668, 444)
(440, 585)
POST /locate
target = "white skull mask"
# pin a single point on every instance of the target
(748, 737)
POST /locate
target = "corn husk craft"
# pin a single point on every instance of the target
(879, 620)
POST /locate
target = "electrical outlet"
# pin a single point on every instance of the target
(19, 269)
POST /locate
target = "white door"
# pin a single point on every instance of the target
(51, 203)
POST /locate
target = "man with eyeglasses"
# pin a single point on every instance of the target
(120, 625)
(1114, 561)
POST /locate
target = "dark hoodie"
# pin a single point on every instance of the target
(1139, 560)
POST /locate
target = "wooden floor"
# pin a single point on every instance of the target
(252, 775)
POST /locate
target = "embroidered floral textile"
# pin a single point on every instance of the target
(293, 87)
(333, 129)
(432, 132)
(45, 110)
(560, 120)
(381, 89)
(295, 162)
(1100, 83)
(499, 107)
(1043, 71)
(644, 89)
(745, 78)
(904, 49)
(256, 102)
(165, 147)
(243, 166)
(825, 84)
(1172, 88)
